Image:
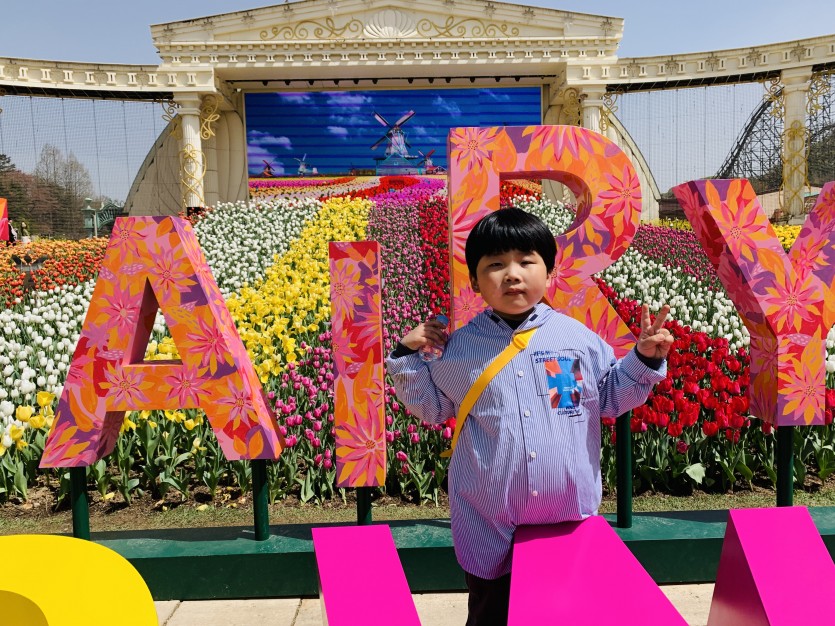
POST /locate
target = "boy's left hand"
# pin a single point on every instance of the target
(654, 342)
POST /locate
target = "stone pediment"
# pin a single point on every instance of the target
(389, 20)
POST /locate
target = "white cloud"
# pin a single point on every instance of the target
(351, 120)
(451, 108)
(338, 131)
(498, 97)
(296, 98)
(258, 138)
(351, 101)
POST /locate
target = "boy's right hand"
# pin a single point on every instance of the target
(431, 332)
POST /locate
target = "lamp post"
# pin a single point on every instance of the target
(91, 217)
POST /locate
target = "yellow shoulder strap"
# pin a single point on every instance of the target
(517, 344)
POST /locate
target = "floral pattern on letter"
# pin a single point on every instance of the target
(357, 323)
(4, 220)
(151, 263)
(786, 301)
(609, 208)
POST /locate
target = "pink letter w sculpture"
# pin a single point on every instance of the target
(357, 319)
(786, 301)
(608, 212)
(156, 263)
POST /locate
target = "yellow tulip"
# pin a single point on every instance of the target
(16, 432)
(37, 422)
(45, 398)
(23, 413)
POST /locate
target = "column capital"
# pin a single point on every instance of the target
(189, 103)
(797, 78)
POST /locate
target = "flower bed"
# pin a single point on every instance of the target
(67, 263)
(270, 259)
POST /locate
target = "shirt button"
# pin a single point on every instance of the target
(534, 493)
(527, 413)
(520, 373)
(533, 455)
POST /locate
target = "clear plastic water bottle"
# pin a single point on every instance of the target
(431, 352)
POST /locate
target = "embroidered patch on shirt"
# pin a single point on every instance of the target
(565, 384)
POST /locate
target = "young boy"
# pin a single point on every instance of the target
(529, 452)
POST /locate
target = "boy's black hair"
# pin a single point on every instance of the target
(509, 229)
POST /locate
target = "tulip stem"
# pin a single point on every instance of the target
(78, 500)
(623, 463)
(785, 465)
(260, 501)
(363, 506)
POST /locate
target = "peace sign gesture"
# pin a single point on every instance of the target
(654, 342)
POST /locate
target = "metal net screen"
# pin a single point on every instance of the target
(57, 152)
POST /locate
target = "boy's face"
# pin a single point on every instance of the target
(511, 282)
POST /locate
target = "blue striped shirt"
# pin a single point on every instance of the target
(529, 452)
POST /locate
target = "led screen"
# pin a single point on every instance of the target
(343, 132)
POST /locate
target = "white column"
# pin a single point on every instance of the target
(795, 167)
(192, 160)
(592, 105)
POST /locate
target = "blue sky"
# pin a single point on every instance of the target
(118, 30)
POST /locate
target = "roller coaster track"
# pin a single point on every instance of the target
(756, 154)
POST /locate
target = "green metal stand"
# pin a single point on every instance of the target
(260, 500)
(363, 506)
(785, 465)
(78, 501)
(623, 462)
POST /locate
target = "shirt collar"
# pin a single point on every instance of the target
(536, 318)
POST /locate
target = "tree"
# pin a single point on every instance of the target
(6, 164)
(49, 166)
(68, 180)
(75, 180)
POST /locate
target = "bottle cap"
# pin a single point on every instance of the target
(443, 319)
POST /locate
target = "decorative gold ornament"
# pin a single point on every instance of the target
(467, 27)
(795, 166)
(819, 86)
(172, 119)
(774, 94)
(712, 62)
(609, 108)
(321, 30)
(572, 108)
(192, 171)
(209, 106)
(798, 52)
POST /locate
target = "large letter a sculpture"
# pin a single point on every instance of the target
(151, 263)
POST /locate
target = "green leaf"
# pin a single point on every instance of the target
(20, 480)
(696, 471)
(772, 474)
(745, 471)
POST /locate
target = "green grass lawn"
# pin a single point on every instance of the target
(34, 517)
